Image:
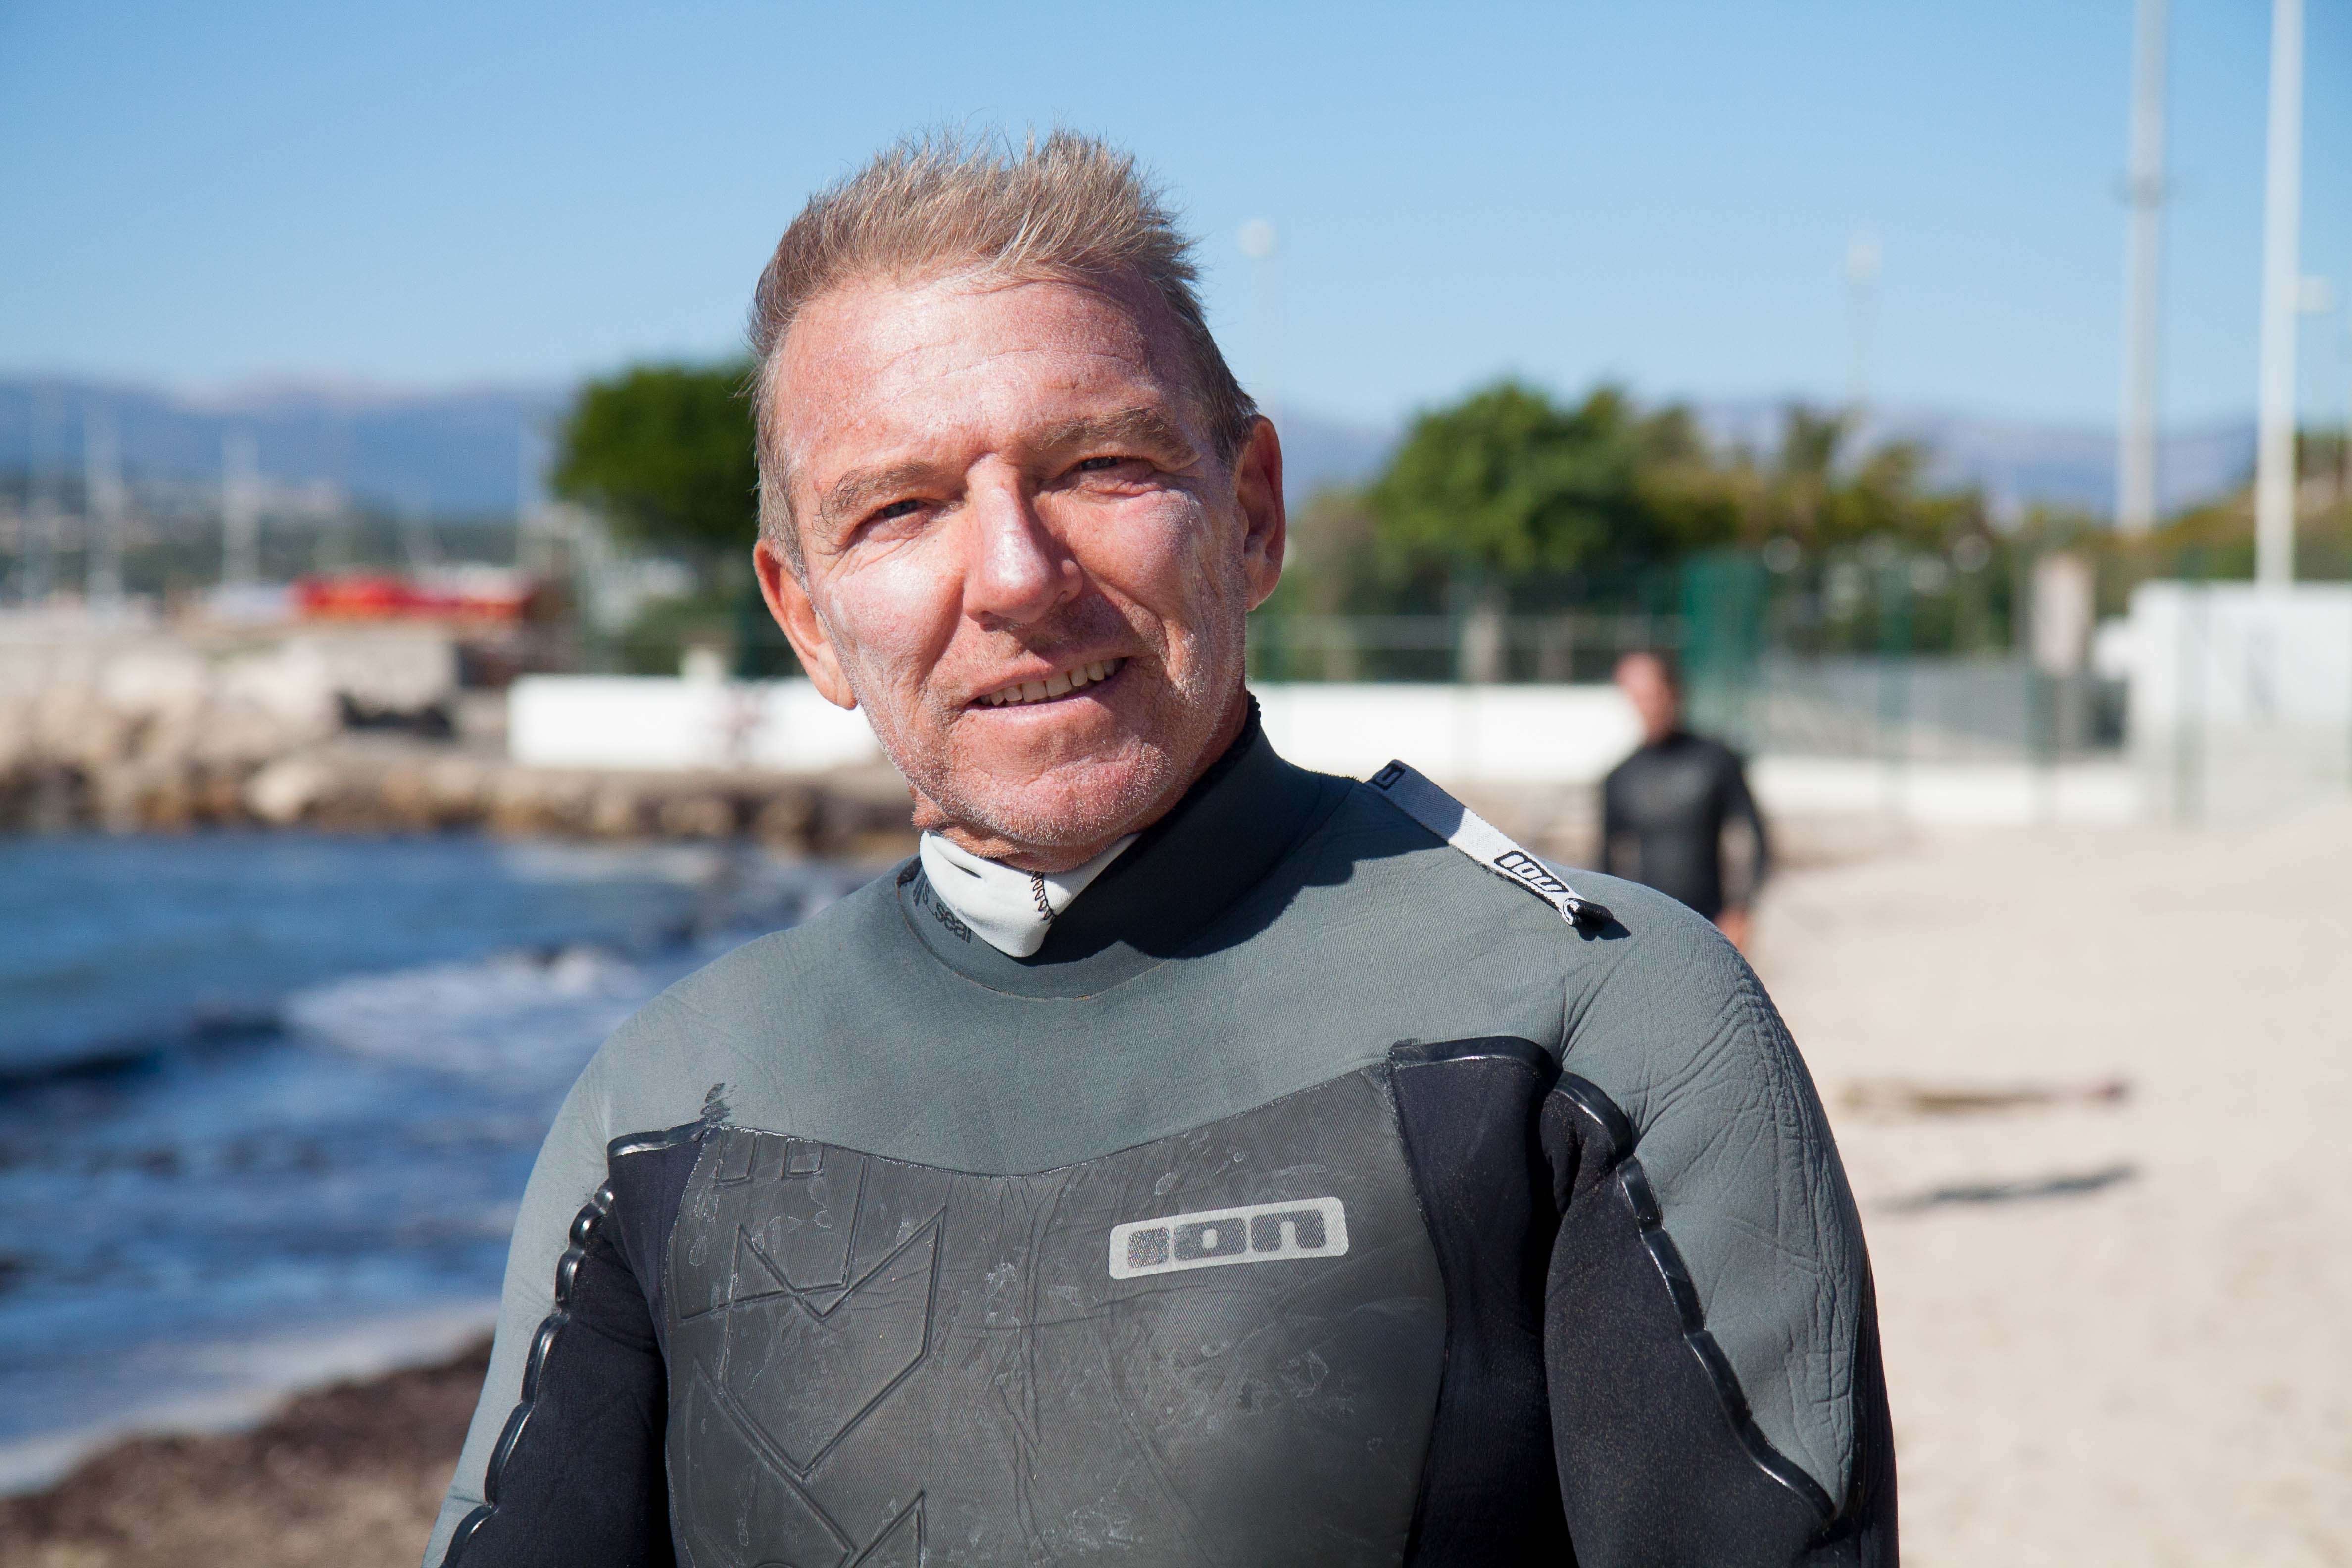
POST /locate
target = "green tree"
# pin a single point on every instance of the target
(666, 453)
(1507, 483)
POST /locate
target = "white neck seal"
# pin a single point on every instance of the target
(1012, 910)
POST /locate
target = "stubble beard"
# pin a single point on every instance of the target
(1082, 802)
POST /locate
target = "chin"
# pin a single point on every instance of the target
(1068, 805)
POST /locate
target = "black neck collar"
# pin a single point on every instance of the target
(1234, 825)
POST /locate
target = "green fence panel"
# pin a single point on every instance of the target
(1724, 598)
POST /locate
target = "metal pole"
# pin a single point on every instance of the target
(1894, 681)
(2282, 278)
(2343, 433)
(1263, 245)
(1862, 256)
(241, 508)
(2136, 458)
(2187, 762)
(102, 505)
(41, 529)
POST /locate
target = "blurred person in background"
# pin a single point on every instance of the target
(1667, 810)
(1185, 1157)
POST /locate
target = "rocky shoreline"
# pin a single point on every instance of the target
(356, 730)
(363, 786)
(351, 1475)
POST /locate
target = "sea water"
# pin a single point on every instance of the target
(267, 1102)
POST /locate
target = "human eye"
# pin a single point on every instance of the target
(1111, 470)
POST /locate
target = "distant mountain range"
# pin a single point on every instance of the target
(450, 454)
(2019, 463)
(464, 453)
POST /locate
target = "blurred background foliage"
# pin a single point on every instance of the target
(664, 452)
(1576, 526)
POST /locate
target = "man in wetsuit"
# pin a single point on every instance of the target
(1664, 810)
(1185, 1158)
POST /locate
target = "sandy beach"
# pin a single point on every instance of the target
(2113, 1329)
(2091, 1088)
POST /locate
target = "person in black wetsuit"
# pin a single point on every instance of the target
(1664, 810)
(1183, 1158)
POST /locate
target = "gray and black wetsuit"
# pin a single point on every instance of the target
(1314, 1195)
(1662, 815)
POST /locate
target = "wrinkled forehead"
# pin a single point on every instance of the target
(870, 367)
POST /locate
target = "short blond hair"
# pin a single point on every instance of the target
(1069, 206)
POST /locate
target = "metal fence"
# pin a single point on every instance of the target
(1888, 656)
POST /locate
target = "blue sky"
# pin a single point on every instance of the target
(1662, 193)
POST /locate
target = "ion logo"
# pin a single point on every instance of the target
(1259, 1233)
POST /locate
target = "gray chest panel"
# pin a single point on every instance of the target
(1221, 1347)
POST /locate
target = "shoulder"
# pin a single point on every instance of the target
(715, 1036)
(1724, 757)
(1674, 1028)
(1669, 1019)
(1655, 1008)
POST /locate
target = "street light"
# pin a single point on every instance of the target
(1263, 245)
(1863, 256)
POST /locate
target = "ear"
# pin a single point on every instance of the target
(1257, 490)
(796, 611)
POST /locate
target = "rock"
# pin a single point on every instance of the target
(152, 680)
(286, 790)
(286, 696)
(697, 816)
(617, 812)
(384, 670)
(783, 822)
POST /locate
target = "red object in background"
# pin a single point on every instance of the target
(388, 596)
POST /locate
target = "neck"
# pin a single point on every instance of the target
(1054, 859)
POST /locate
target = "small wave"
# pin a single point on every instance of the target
(39, 1063)
(507, 1013)
(514, 1017)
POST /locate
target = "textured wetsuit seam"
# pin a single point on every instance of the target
(1632, 1184)
(584, 1229)
(1044, 1170)
(1788, 1113)
(684, 1553)
(542, 1345)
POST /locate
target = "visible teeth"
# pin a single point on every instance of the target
(1061, 683)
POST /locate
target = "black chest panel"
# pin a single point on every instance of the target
(1222, 1347)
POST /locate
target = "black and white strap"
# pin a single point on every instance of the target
(1483, 842)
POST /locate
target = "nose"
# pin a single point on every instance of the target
(1017, 571)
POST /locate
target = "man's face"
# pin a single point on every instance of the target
(1651, 692)
(1021, 554)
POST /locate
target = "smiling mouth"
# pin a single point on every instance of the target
(1061, 683)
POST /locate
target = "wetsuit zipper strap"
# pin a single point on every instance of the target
(1463, 828)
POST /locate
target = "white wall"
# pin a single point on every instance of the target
(1460, 734)
(661, 723)
(2232, 654)
(1491, 734)
(2241, 696)
(1551, 734)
